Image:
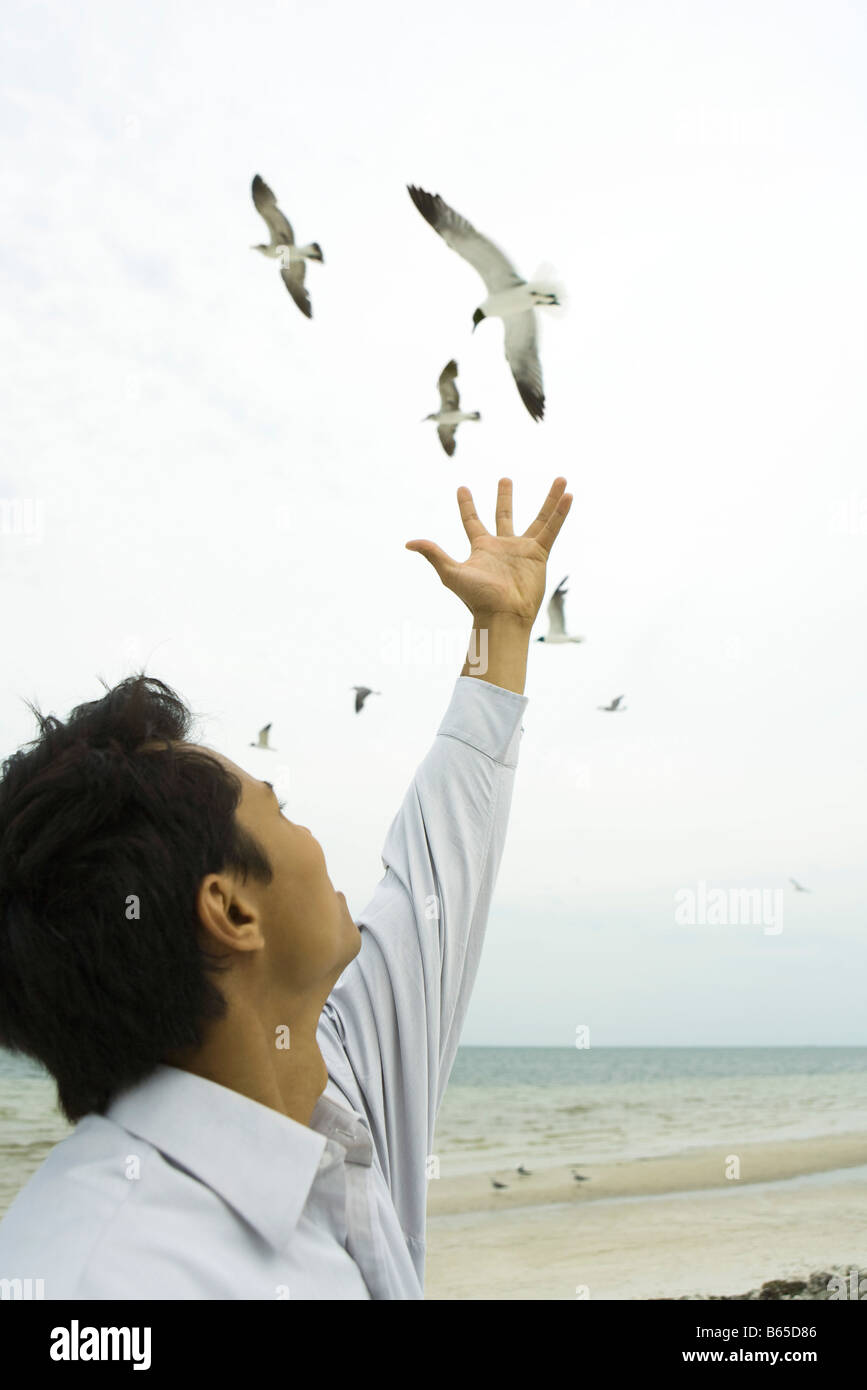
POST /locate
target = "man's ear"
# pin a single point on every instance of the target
(228, 913)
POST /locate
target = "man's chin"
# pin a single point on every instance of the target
(350, 922)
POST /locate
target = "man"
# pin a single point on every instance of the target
(254, 1078)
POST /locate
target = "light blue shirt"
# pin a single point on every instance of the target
(186, 1189)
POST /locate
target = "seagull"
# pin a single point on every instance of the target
(449, 415)
(282, 245)
(556, 620)
(262, 741)
(361, 694)
(579, 1177)
(509, 296)
(523, 1171)
(498, 1185)
(615, 707)
(799, 887)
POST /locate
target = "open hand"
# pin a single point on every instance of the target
(505, 573)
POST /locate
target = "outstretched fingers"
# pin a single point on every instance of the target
(558, 487)
(469, 516)
(550, 531)
(504, 508)
(441, 562)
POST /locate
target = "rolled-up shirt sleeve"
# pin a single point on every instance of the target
(389, 1031)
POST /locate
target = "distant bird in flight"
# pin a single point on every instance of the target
(262, 741)
(798, 886)
(615, 707)
(449, 415)
(556, 619)
(282, 245)
(361, 694)
(498, 1185)
(510, 298)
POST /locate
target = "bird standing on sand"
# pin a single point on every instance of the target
(262, 741)
(361, 694)
(498, 1185)
(282, 246)
(449, 415)
(510, 297)
(556, 618)
(615, 707)
(525, 1173)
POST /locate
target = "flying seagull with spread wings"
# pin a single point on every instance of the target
(799, 888)
(615, 707)
(450, 415)
(292, 258)
(556, 617)
(262, 741)
(510, 298)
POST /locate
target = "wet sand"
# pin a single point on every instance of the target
(656, 1227)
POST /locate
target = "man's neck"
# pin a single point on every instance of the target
(275, 1063)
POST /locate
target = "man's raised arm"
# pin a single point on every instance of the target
(390, 1029)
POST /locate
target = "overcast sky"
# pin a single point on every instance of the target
(195, 477)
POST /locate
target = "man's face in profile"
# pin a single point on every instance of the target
(309, 933)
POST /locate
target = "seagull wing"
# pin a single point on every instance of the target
(266, 204)
(263, 736)
(448, 391)
(523, 358)
(293, 279)
(447, 437)
(496, 271)
(556, 617)
(360, 697)
(616, 701)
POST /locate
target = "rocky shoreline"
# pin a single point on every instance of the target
(839, 1282)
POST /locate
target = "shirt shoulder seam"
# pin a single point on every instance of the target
(103, 1234)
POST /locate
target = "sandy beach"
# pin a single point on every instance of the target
(667, 1224)
(655, 1227)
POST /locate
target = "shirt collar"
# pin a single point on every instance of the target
(334, 1119)
(262, 1163)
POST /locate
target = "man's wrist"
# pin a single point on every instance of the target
(497, 653)
(505, 622)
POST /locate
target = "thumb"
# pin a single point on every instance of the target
(441, 562)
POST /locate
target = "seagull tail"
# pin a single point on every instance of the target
(546, 279)
(314, 252)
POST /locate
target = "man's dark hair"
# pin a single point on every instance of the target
(89, 817)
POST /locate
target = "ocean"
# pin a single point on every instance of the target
(545, 1106)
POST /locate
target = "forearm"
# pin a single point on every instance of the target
(497, 650)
